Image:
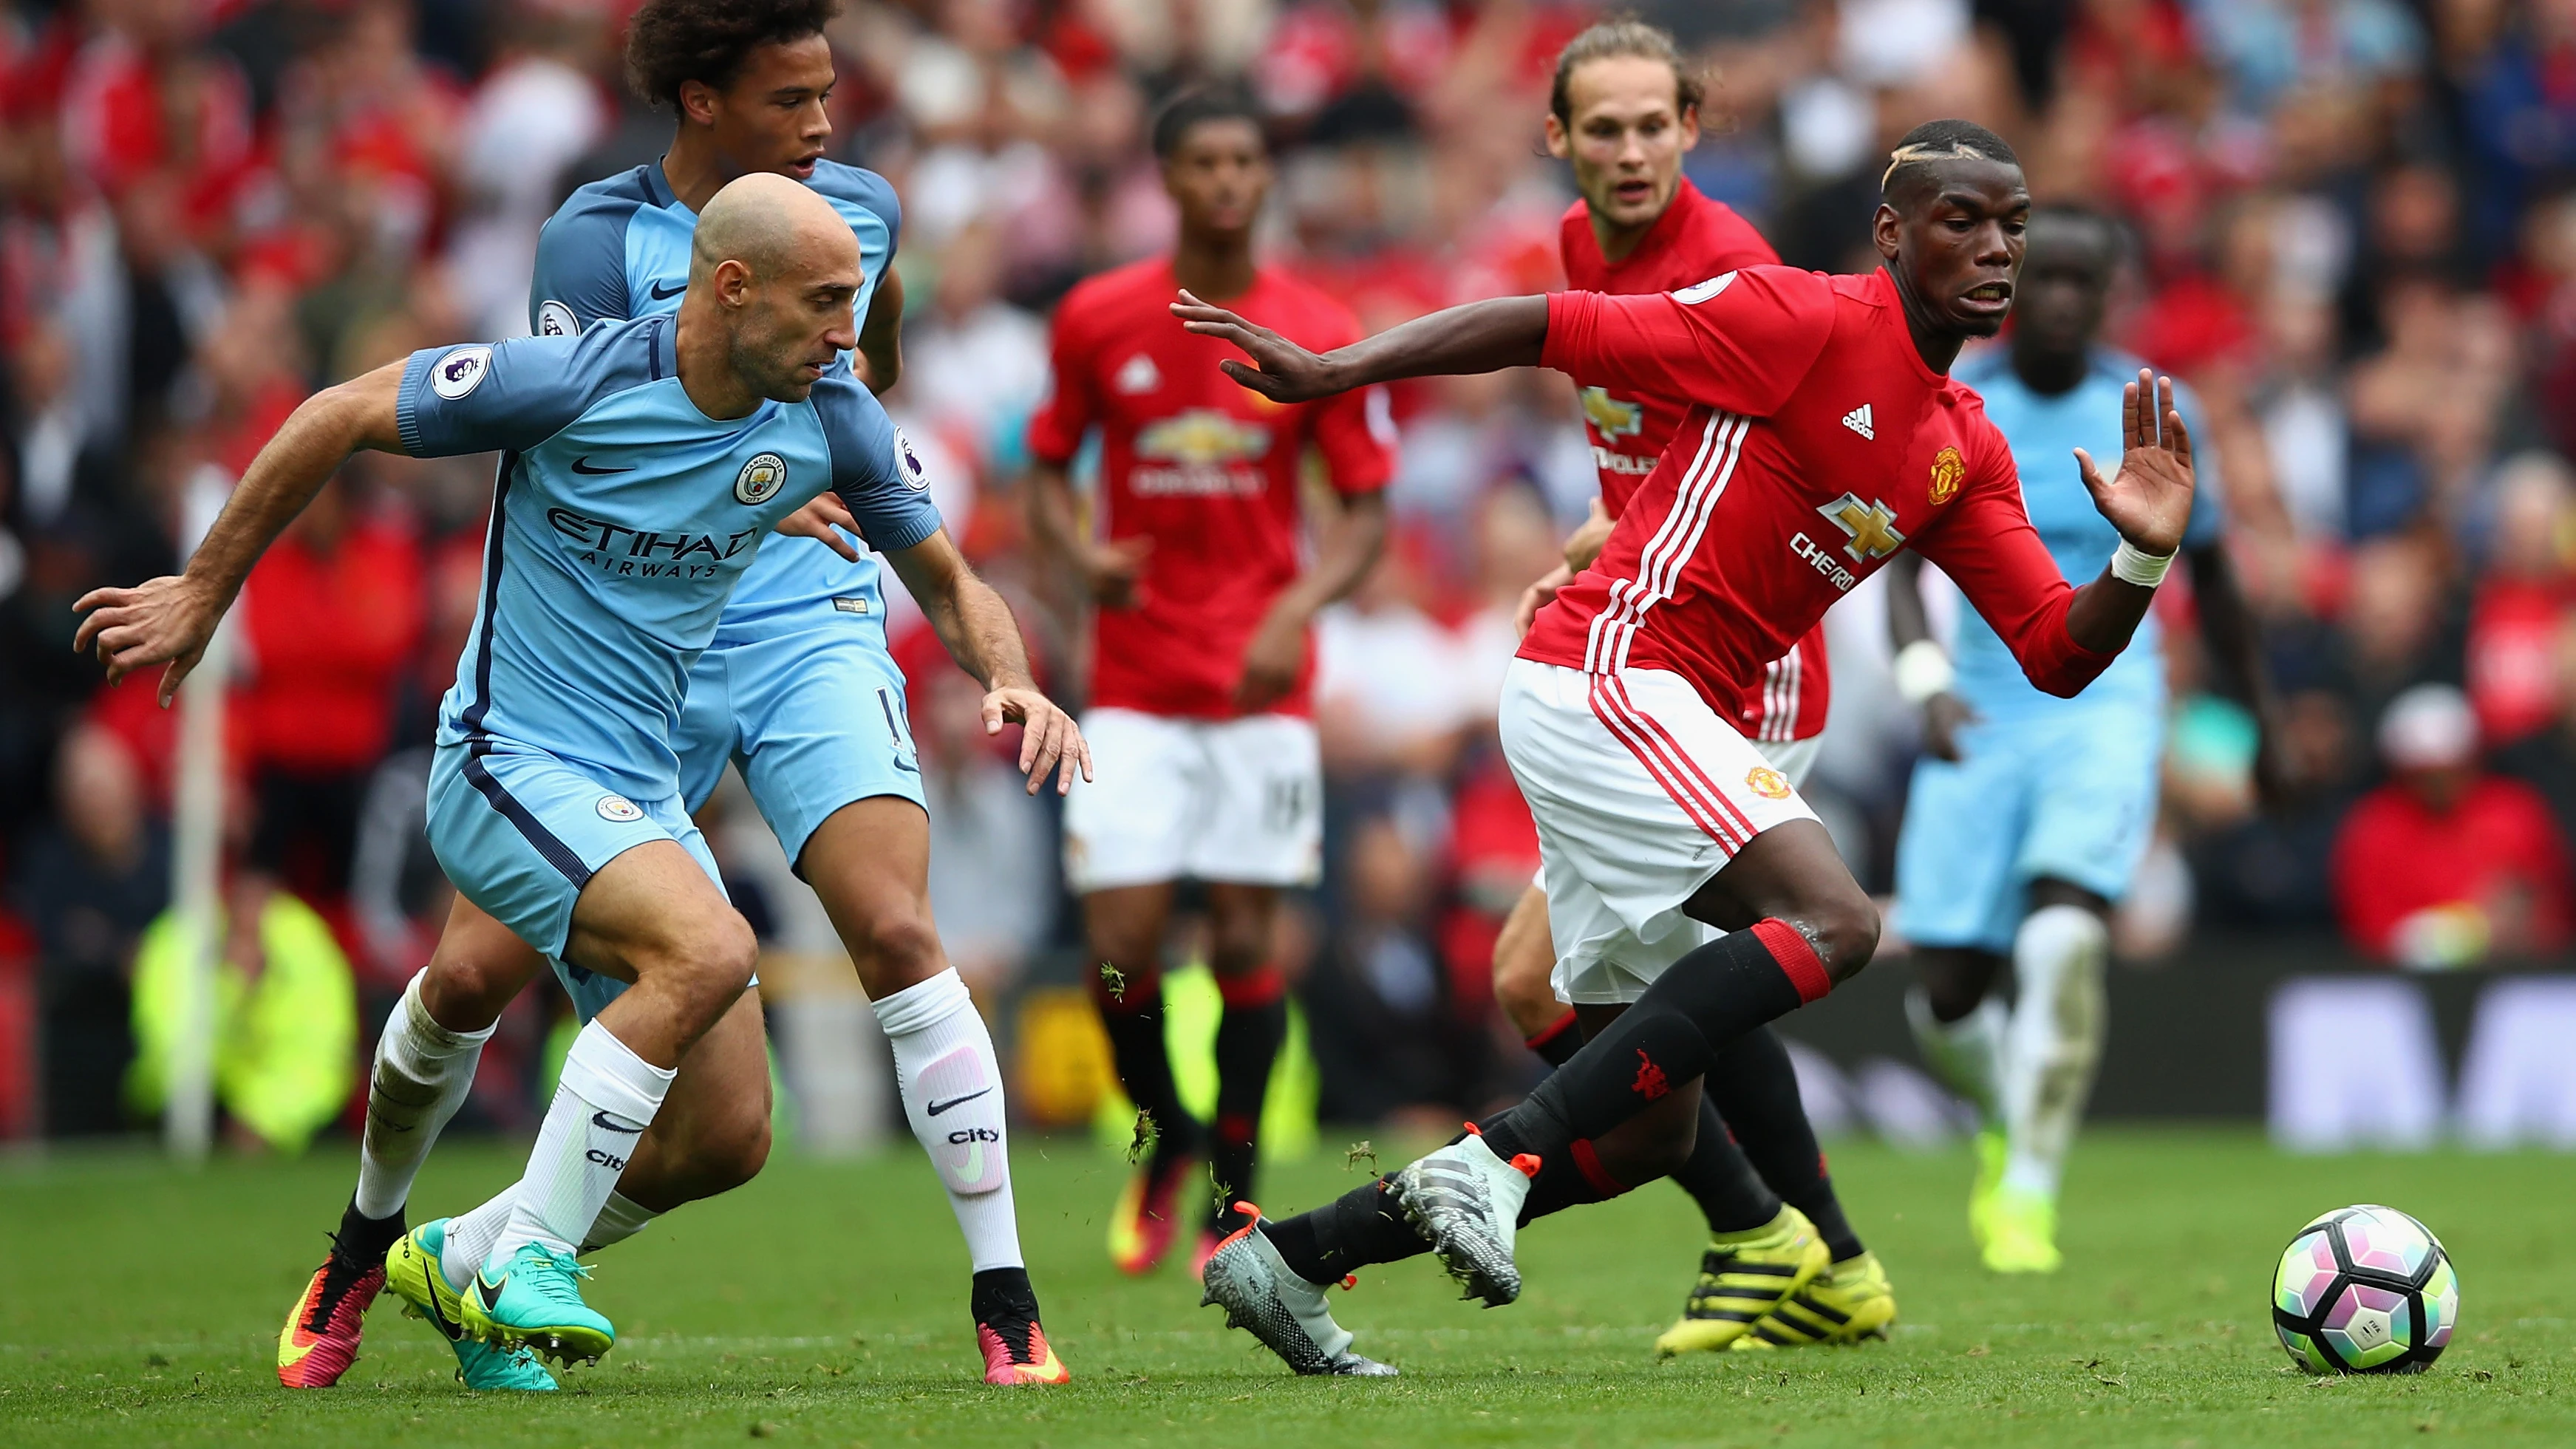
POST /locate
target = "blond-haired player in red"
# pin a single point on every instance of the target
(1783, 1266)
(1199, 722)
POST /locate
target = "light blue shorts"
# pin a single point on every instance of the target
(2069, 797)
(815, 716)
(520, 832)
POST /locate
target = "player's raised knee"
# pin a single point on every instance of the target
(1843, 929)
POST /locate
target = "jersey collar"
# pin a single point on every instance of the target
(658, 186)
(1686, 199)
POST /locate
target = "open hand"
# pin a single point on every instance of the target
(824, 518)
(161, 621)
(1282, 371)
(1051, 740)
(2149, 499)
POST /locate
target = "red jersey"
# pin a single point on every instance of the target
(1206, 470)
(1695, 239)
(1817, 445)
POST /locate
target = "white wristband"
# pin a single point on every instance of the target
(1922, 671)
(2131, 565)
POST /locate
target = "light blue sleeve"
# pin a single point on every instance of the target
(2208, 497)
(484, 397)
(874, 468)
(581, 266)
(866, 189)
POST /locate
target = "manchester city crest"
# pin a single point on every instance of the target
(760, 479)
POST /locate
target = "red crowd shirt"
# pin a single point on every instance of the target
(1817, 444)
(1205, 470)
(1695, 239)
(2497, 850)
(329, 635)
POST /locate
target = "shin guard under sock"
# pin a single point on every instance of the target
(1559, 1041)
(1710, 996)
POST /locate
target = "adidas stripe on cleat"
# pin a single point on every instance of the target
(1260, 1295)
(1849, 1302)
(1466, 1203)
(320, 1340)
(1743, 1280)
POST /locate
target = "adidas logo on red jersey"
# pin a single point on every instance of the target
(1858, 421)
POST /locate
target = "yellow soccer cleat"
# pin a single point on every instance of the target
(1743, 1277)
(1991, 1145)
(2021, 1232)
(1847, 1303)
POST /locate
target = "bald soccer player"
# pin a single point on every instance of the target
(643, 463)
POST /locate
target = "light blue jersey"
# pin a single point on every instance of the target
(2045, 788)
(2044, 432)
(619, 248)
(624, 517)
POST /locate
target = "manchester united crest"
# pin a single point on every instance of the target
(1766, 782)
(1948, 469)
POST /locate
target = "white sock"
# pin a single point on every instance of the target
(2055, 1040)
(606, 1099)
(422, 1074)
(622, 1217)
(1967, 1054)
(952, 1094)
(470, 1237)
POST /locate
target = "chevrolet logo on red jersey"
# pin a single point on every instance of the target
(1202, 436)
(1611, 417)
(1871, 526)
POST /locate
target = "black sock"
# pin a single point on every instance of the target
(363, 1240)
(1003, 1301)
(1361, 1227)
(1248, 1038)
(1559, 1041)
(1134, 1021)
(1569, 1179)
(1712, 995)
(1730, 1194)
(1754, 1085)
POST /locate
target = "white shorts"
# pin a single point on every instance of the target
(1237, 801)
(1641, 793)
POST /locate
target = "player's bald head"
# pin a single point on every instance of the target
(776, 228)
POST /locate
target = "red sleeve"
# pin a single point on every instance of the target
(2363, 851)
(1071, 405)
(1985, 543)
(1739, 342)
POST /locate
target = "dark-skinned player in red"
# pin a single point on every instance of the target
(1783, 1266)
(1200, 653)
(1653, 811)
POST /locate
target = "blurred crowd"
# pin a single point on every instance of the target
(2356, 236)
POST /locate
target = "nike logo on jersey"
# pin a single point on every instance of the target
(661, 293)
(938, 1107)
(608, 1123)
(1858, 421)
(582, 465)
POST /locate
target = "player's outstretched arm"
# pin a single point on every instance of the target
(1477, 337)
(2149, 501)
(1922, 667)
(168, 620)
(976, 625)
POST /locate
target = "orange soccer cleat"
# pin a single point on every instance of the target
(320, 1339)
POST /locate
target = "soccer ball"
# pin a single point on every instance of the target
(2365, 1290)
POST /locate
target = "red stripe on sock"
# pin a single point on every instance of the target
(1253, 988)
(1588, 1162)
(1798, 960)
(1551, 1031)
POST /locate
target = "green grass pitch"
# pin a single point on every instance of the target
(825, 1304)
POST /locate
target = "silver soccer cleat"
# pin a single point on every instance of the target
(1260, 1295)
(1466, 1202)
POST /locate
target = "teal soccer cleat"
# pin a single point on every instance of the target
(413, 1271)
(536, 1304)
